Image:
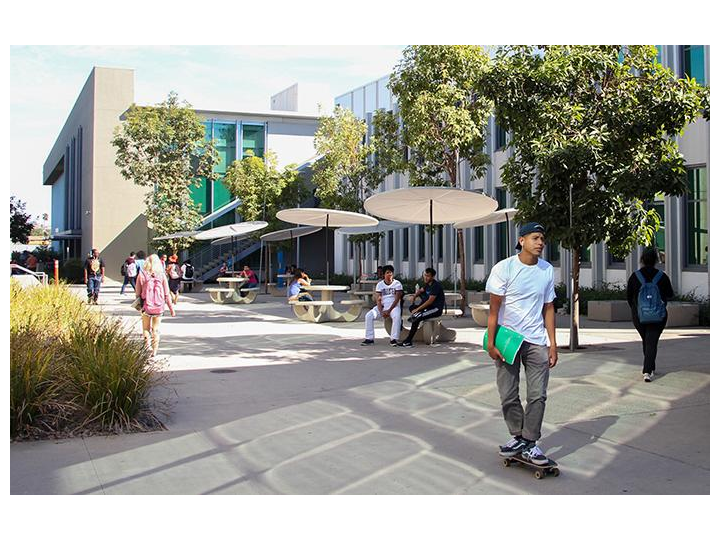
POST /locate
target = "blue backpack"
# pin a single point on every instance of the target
(650, 306)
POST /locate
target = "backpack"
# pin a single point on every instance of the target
(154, 295)
(189, 271)
(123, 269)
(95, 266)
(131, 270)
(174, 271)
(650, 306)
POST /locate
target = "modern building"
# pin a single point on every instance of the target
(94, 206)
(682, 239)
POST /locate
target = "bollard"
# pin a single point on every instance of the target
(57, 272)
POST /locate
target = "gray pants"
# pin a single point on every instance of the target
(527, 422)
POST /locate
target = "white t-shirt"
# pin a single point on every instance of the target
(387, 292)
(525, 288)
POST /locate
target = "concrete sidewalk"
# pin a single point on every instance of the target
(263, 403)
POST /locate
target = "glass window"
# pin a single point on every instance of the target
(345, 101)
(500, 137)
(694, 62)
(253, 140)
(358, 105)
(351, 246)
(617, 261)
(391, 246)
(659, 239)
(658, 57)
(501, 229)
(384, 98)
(585, 257)
(405, 243)
(696, 217)
(221, 195)
(552, 249)
(421, 242)
(224, 137)
(202, 195)
(439, 234)
(479, 244)
(370, 97)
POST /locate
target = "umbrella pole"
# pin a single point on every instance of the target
(432, 235)
(327, 257)
(261, 266)
(454, 260)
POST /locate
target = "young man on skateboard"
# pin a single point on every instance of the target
(522, 291)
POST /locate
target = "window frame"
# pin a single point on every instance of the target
(687, 266)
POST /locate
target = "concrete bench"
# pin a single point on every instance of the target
(480, 313)
(352, 302)
(431, 331)
(609, 310)
(231, 295)
(313, 303)
(683, 314)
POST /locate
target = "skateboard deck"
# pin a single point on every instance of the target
(541, 471)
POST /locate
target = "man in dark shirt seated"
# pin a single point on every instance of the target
(432, 305)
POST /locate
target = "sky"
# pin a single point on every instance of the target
(46, 80)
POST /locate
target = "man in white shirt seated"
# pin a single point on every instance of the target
(389, 293)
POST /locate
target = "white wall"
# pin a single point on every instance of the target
(292, 142)
(695, 283)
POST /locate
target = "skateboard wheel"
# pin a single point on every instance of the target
(506, 462)
(539, 475)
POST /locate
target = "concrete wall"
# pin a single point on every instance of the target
(292, 141)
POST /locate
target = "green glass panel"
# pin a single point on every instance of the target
(221, 196)
(253, 140)
(694, 60)
(224, 137)
(585, 255)
(421, 242)
(697, 217)
(201, 194)
(658, 57)
(225, 219)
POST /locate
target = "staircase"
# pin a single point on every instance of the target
(208, 259)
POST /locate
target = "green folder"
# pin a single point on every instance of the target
(507, 341)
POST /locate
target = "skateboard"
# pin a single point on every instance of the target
(541, 471)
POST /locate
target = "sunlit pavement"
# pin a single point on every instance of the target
(263, 403)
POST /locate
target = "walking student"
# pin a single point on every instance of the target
(139, 264)
(648, 292)
(152, 287)
(174, 275)
(389, 293)
(432, 304)
(522, 291)
(129, 272)
(188, 273)
(94, 273)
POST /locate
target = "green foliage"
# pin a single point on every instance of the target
(350, 167)
(163, 148)
(71, 270)
(606, 291)
(704, 306)
(444, 117)
(578, 116)
(20, 223)
(263, 189)
(70, 367)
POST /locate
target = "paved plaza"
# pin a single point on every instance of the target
(261, 403)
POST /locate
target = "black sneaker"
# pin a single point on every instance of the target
(368, 342)
(406, 344)
(534, 454)
(513, 447)
(393, 343)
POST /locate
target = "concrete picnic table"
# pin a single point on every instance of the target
(432, 330)
(234, 292)
(322, 310)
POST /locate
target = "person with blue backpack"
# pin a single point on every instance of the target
(648, 292)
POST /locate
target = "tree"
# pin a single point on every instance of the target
(164, 148)
(263, 190)
(593, 125)
(444, 117)
(20, 224)
(351, 165)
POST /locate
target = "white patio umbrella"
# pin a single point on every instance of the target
(325, 217)
(173, 236)
(498, 216)
(430, 206)
(230, 233)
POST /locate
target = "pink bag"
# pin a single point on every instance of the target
(154, 295)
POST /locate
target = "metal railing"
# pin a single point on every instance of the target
(40, 276)
(208, 259)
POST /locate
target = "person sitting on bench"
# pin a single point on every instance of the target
(432, 305)
(299, 279)
(389, 291)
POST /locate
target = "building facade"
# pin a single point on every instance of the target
(94, 206)
(682, 239)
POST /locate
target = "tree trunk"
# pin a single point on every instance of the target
(461, 259)
(575, 300)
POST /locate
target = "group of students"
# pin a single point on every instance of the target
(178, 276)
(522, 294)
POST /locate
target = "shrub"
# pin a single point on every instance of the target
(704, 306)
(605, 292)
(71, 271)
